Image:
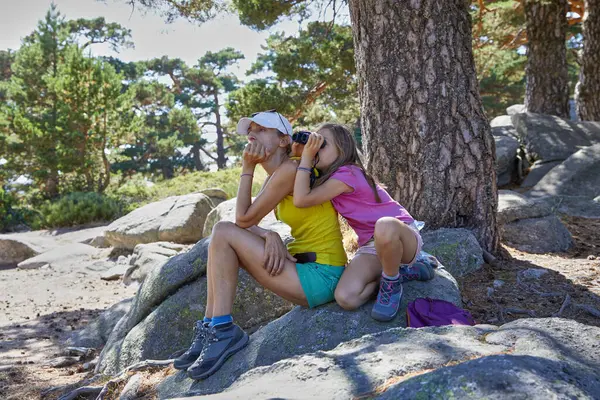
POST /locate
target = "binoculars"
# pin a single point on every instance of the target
(302, 137)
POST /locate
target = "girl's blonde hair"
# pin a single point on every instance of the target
(344, 141)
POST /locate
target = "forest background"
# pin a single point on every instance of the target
(87, 137)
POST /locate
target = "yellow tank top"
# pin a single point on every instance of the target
(314, 229)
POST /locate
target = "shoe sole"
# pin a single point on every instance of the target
(238, 346)
(383, 318)
(184, 366)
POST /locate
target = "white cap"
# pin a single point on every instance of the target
(268, 119)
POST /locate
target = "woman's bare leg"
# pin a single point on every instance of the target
(358, 282)
(232, 246)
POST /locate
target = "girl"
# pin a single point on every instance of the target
(387, 234)
(305, 273)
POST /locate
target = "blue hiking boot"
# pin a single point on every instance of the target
(222, 341)
(388, 300)
(191, 355)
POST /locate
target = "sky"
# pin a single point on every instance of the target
(150, 34)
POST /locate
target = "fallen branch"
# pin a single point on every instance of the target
(147, 364)
(511, 310)
(564, 305)
(112, 384)
(84, 390)
(123, 376)
(534, 290)
(594, 311)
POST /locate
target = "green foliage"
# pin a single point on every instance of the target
(500, 68)
(11, 214)
(254, 13)
(63, 109)
(79, 208)
(311, 73)
(97, 30)
(260, 14)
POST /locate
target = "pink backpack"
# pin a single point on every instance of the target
(434, 312)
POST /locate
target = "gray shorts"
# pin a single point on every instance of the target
(369, 247)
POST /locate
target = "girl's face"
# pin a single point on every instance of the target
(329, 153)
(268, 137)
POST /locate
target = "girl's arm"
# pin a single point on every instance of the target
(304, 196)
(280, 184)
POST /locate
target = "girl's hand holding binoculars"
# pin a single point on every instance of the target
(312, 146)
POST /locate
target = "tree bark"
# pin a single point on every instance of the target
(587, 92)
(196, 157)
(221, 159)
(547, 88)
(425, 134)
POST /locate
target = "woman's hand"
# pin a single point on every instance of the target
(312, 147)
(275, 254)
(255, 153)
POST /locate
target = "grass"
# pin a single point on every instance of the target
(137, 192)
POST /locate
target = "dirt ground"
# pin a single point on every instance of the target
(40, 308)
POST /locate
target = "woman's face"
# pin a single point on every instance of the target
(268, 137)
(329, 153)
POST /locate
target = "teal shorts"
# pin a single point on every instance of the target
(318, 282)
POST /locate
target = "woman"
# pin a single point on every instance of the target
(306, 273)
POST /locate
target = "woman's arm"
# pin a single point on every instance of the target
(280, 184)
(304, 196)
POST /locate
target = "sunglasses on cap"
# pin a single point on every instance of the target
(278, 115)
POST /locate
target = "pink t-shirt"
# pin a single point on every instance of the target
(360, 208)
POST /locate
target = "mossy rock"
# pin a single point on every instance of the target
(457, 249)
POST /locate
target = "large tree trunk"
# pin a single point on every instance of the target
(547, 89)
(425, 135)
(587, 93)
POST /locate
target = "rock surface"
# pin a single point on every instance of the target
(537, 235)
(506, 152)
(15, 248)
(551, 138)
(226, 212)
(303, 331)
(576, 206)
(525, 359)
(147, 257)
(513, 206)
(178, 219)
(62, 255)
(516, 109)
(579, 175)
(456, 249)
(97, 332)
(538, 170)
(216, 195)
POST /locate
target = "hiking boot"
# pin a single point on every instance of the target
(222, 341)
(419, 271)
(388, 300)
(186, 359)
